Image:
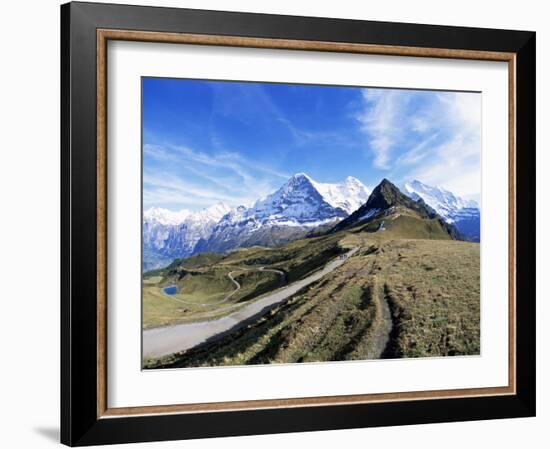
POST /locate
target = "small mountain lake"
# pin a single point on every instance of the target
(171, 290)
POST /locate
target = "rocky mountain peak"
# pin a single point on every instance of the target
(386, 195)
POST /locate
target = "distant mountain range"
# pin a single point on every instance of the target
(299, 208)
(167, 234)
(287, 214)
(464, 214)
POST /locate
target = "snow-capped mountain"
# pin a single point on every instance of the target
(298, 202)
(301, 206)
(167, 234)
(288, 213)
(464, 214)
(165, 216)
(348, 195)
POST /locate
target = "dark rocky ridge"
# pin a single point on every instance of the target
(385, 196)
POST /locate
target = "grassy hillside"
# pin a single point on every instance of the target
(406, 224)
(408, 289)
(203, 281)
(409, 218)
(433, 290)
(394, 298)
(200, 294)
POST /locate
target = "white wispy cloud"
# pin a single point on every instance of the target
(417, 153)
(227, 160)
(454, 165)
(256, 107)
(189, 191)
(380, 122)
(455, 162)
(431, 136)
(189, 178)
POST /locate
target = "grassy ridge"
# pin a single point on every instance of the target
(405, 224)
(431, 288)
(410, 291)
(203, 282)
(433, 292)
(255, 283)
(200, 294)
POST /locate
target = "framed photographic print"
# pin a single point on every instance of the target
(277, 224)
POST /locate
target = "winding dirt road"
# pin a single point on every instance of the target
(229, 295)
(162, 341)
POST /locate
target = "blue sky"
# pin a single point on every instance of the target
(209, 141)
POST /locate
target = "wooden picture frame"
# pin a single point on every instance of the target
(85, 418)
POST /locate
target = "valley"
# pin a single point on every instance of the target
(205, 289)
(159, 342)
(390, 280)
(391, 298)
